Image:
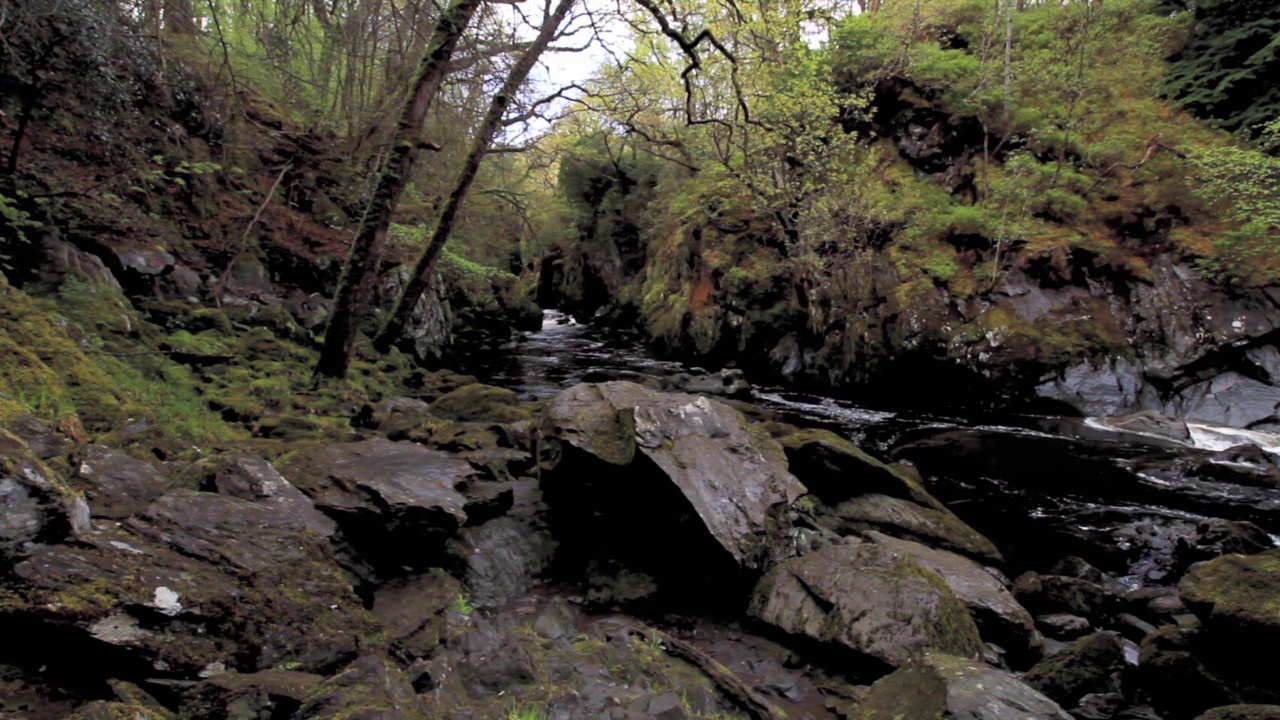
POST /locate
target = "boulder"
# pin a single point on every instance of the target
(666, 469)
(1237, 594)
(878, 603)
(1237, 597)
(1216, 537)
(942, 686)
(1000, 619)
(503, 558)
(395, 502)
(909, 520)
(1061, 626)
(266, 695)
(1173, 675)
(198, 581)
(115, 484)
(371, 688)
(1050, 594)
(835, 470)
(35, 507)
(480, 403)
(249, 477)
(1091, 664)
(413, 609)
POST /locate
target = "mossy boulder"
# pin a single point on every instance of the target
(1237, 595)
(1091, 664)
(909, 520)
(936, 686)
(879, 604)
(1173, 675)
(835, 469)
(481, 403)
(198, 580)
(1000, 619)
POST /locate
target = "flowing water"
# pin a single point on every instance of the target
(1040, 487)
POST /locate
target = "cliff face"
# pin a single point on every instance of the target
(1109, 315)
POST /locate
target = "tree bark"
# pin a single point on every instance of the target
(421, 276)
(350, 299)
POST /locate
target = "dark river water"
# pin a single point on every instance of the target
(1040, 487)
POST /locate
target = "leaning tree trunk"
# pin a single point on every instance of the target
(357, 276)
(420, 278)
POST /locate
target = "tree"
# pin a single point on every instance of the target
(1229, 69)
(366, 250)
(493, 121)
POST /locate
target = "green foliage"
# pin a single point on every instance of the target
(1229, 68)
(463, 605)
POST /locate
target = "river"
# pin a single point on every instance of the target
(1041, 487)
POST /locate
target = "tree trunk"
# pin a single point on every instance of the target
(362, 260)
(485, 134)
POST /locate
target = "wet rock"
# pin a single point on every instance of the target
(1061, 626)
(835, 470)
(1173, 676)
(943, 686)
(1098, 706)
(1133, 628)
(1230, 399)
(396, 502)
(908, 520)
(1076, 567)
(115, 484)
(504, 558)
(267, 695)
(1151, 423)
(412, 610)
(1216, 537)
(371, 688)
(1000, 619)
(1052, 594)
(34, 505)
(196, 581)
(728, 382)
(869, 599)
(250, 477)
(1243, 712)
(646, 477)
(1091, 664)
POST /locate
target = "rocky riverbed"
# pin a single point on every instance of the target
(625, 550)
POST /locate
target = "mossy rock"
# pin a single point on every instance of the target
(935, 686)
(1237, 593)
(882, 606)
(287, 428)
(102, 710)
(835, 469)
(481, 403)
(1091, 664)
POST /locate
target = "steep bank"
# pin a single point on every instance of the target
(1060, 245)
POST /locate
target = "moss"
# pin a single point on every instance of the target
(1237, 591)
(481, 403)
